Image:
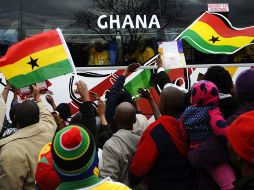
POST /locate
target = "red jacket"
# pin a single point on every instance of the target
(161, 156)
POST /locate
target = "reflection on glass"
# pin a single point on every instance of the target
(7, 38)
(93, 46)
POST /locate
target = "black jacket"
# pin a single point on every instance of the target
(228, 106)
(86, 117)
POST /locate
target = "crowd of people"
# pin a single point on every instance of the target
(201, 139)
(112, 53)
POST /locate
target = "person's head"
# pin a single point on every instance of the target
(122, 96)
(204, 93)
(220, 77)
(26, 114)
(244, 86)
(74, 153)
(171, 101)
(241, 142)
(125, 116)
(61, 114)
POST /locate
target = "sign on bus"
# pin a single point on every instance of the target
(219, 7)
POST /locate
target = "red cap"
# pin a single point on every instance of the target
(240, 135)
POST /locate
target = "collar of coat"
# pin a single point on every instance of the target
(25, 132)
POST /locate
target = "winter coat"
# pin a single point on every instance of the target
(19, 152)
(117, 155)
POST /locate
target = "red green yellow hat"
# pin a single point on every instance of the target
(74, 153)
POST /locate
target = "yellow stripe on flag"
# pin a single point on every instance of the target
(206, 32)
(45, 57)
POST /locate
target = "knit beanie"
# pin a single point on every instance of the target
(64, 111)
(240, 136)
(244, 84)
(74, 153)
(46, 177)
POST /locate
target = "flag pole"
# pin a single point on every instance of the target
(68, 53)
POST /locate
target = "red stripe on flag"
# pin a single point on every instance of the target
(218, 24)
(29, 46)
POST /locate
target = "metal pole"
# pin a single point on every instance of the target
(222, 65)
(85, 69)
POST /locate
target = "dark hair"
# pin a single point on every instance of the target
(172, 102)
(27, 113)
(220, 77)
(64, 111)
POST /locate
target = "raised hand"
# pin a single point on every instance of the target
(144, 93)
(83, 90)
(36, 93)
(131, 68)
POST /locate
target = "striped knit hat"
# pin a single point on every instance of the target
(74, 153)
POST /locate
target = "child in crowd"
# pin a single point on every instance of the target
(203, 119)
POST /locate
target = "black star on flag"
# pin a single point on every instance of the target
(33, 62)
(214, 39)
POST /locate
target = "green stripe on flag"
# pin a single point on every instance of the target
(41, 74)
(200, 44)
(140, 81)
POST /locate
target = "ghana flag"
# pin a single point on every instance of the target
(35, 59)
(213, 33)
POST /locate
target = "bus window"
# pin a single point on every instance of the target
(9, 17)
(113, 33)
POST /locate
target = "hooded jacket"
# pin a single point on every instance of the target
(117, 155)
